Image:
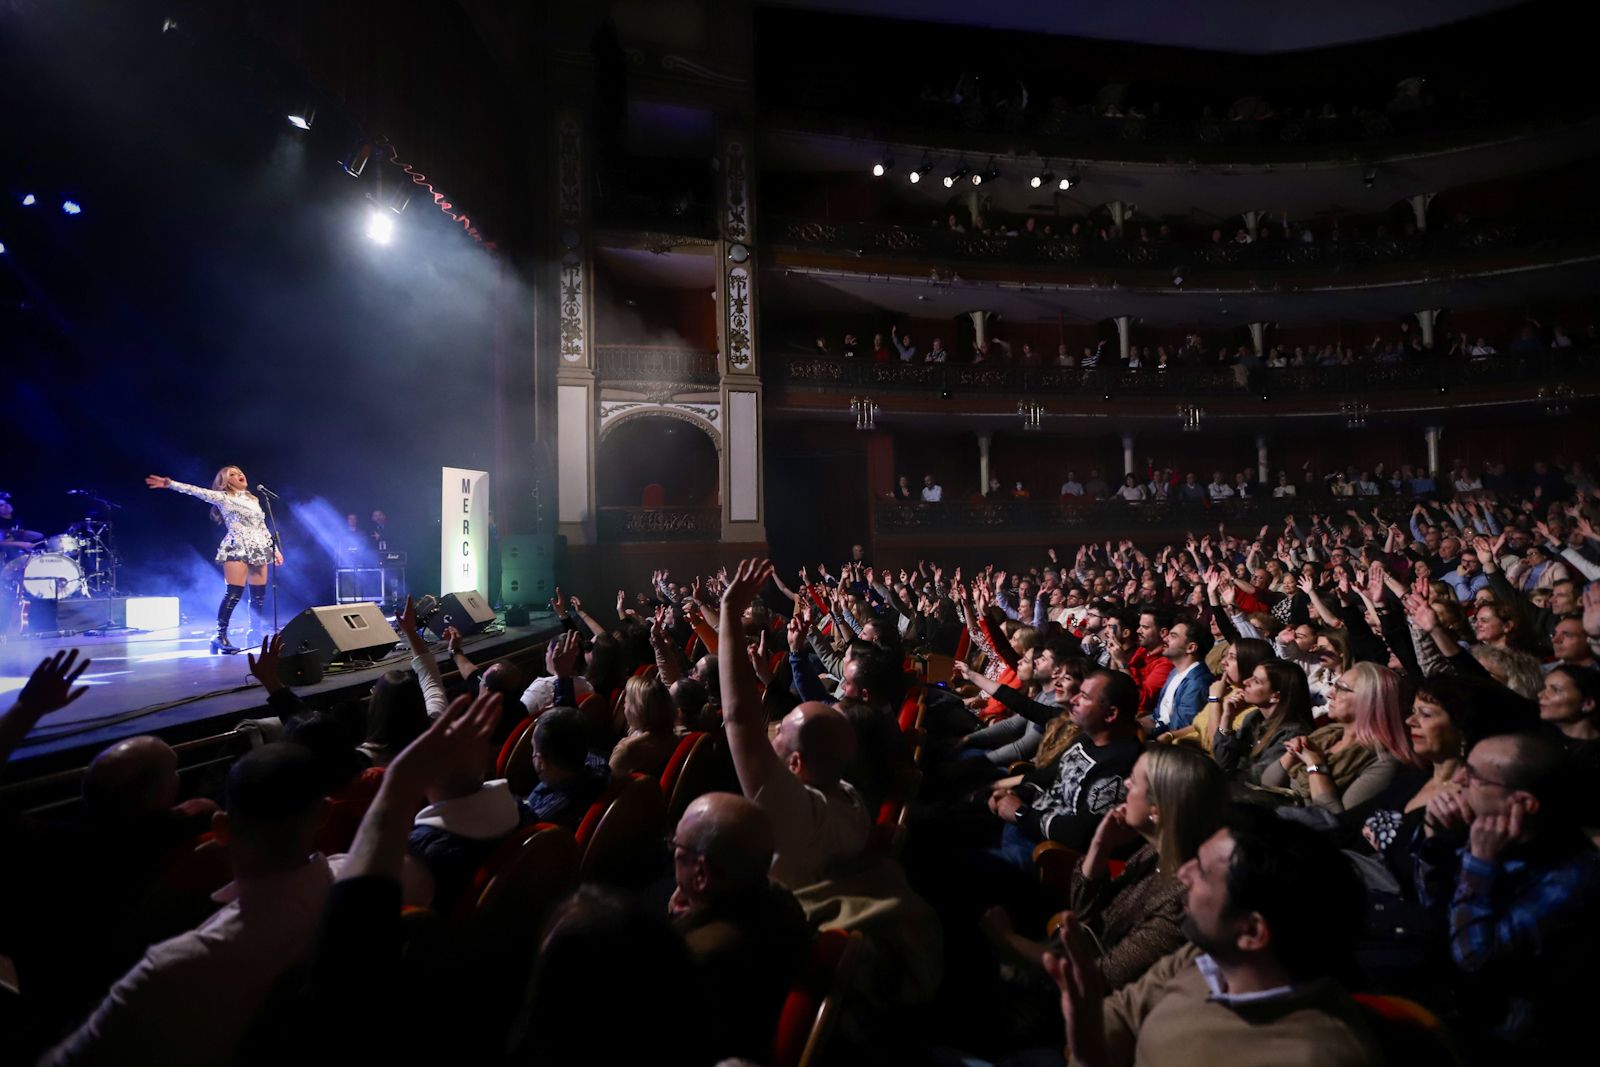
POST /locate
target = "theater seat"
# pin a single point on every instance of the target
(811, 1009)
(701, 765)
(515, 762)
(621, 835)
(515, 888)
(1055, 862)
(654, 496)
(1408, 1032)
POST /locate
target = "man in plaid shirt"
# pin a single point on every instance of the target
(1516, 885)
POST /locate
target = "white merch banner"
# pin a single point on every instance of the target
(463, 531)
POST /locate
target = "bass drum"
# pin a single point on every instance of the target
(45, 576)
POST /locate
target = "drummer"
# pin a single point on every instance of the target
(13, 538)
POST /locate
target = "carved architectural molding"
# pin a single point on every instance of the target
(704, 417)
(738, 268)
(572, 222)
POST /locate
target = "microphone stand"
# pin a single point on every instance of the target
(277, 547)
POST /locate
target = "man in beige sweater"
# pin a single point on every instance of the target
(1272, 909)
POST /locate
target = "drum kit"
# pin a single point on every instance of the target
(81, 562)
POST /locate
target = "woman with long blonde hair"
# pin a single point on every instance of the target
(247, 546)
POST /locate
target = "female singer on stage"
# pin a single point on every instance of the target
(246, 548)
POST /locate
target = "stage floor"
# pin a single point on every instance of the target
(168, 680)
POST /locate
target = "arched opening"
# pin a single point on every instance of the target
(657, 450)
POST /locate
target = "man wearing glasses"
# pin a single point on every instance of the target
(1507, 870)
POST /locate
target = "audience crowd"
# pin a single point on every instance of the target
(1193, 352)
(1323, 793)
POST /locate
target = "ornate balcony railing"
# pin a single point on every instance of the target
(1368, 377)
(659, 524)
(858, 239)
(1078, 516)
(653, 363)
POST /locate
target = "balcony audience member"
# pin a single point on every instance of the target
(1218, 489)
(1064, 356)
(1482, 349)
(1560, 338)
(1131, 491)
(1527, 342)
(1091, 358)
(902, 345)
(1096, 486)
(936, 352)
(850, 346)
(1018, 492)
(902, 489)
(932, 491)
(880, 354)
(1271, 910)
(1072, 487)
(1284, 489)
(1505, 867)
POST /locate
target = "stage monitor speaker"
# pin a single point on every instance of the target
(467, 611)
(528, 569)
(346, 632)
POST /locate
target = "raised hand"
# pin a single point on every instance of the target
(747, 581)
(1421, 613)
(407, 619)
(561, 655)
(265, 668)
(452, 640)
(796, 634)
(452, 747)
(49, 687)
(1591, 608)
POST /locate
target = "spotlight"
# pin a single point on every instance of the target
(28, 200)
(988, 174)
(355, 160)
(1369, 177)
(380, 226)
(71, 207)
(1040, 180)
(301, 118)
(1068, 181)
(2, 248)
(955, 176)
(168, 25)
(882, 167)
(914, 175)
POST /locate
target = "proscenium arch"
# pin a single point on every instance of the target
(646, 410)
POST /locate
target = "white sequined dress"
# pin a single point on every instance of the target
(248, 540)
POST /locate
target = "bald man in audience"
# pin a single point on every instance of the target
(747, 934)
(136, 782)
(818, 819)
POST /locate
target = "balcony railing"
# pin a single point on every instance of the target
(866, 239)
(651, 363)
(1367, 377)
(659, 524)
(1077, 517)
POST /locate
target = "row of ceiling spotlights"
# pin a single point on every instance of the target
(1037, 180)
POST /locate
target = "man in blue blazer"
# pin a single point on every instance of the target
(1189, 684)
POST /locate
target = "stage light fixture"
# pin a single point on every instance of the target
(955, 176)
(71, 207)
(915, 176)
(355, 160)
(1068, 181)
(302, 117)
(988, 174)
(380, 226)
(28, 200)
(883, 166)
(1040, 180)
(1369, 177)
(2, 248)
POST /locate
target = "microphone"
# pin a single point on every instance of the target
(264, 491)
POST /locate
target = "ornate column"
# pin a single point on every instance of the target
(1431, 435)
(1261, 459)
(1123, 334)
(1252, 223)
(1258, 337)
(743, 510)
(1427, 319)
(984, 441)
(576, 426)
(1127, 453)
(980, 327)
(1419, 209)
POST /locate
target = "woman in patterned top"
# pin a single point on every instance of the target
(246, 548)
